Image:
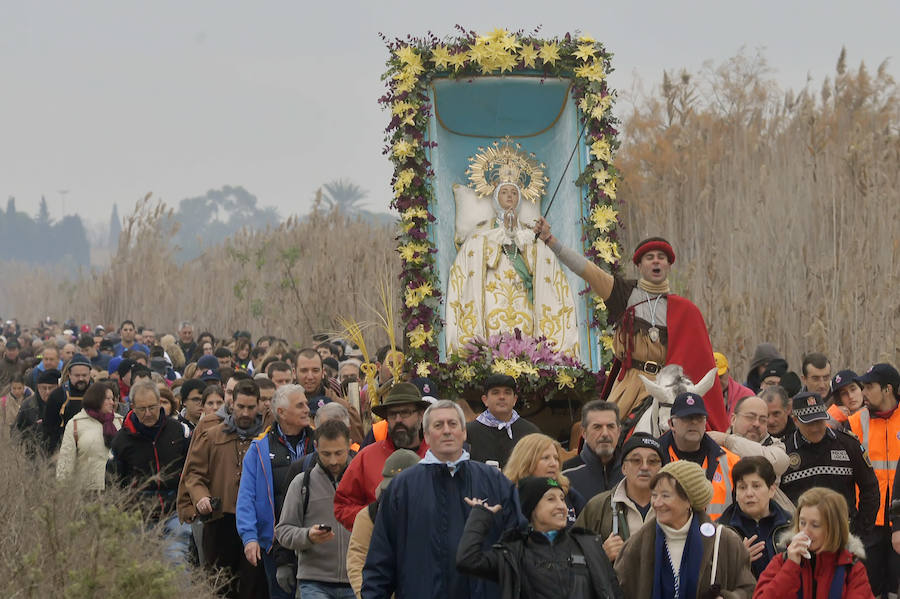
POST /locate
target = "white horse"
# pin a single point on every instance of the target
(670, 383)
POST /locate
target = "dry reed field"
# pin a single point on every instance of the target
(60, 541)
(783, 208)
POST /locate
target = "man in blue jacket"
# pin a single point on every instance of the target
(422, 515)
(265, 479)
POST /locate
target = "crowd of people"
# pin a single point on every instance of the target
(282, 467)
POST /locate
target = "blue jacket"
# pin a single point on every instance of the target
(119, 349)
(255, 512)
(421, 516)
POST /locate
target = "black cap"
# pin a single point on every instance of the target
(688, 404)
(639, 440)
(791, 383)
(13, 344)
(124, 367)
(531, 490)
(775, 368)
(499, 380)
(808, 407)
(842, 379)
(882, 373)
(49, 377)
(210, 375)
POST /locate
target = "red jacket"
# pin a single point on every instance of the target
(357, 487)
(736, 392)
(783, 578)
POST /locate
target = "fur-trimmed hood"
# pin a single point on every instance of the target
(854, 544)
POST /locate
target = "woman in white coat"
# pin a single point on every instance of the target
(86, 440)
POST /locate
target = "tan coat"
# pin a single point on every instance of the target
(635, 566)
(84, 460)
(358, 549)
(212, 469)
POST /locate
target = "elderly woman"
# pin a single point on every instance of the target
(822, 559)
(754, 514)
(679, 553)
(539, 455)
(87, 438)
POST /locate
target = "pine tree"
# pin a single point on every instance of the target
(10, 207)
(43, 218)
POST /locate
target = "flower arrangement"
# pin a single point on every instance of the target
(539, 370)
(412, 64)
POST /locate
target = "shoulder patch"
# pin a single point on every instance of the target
(794, 460)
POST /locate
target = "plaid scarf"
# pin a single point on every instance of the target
(488, 419)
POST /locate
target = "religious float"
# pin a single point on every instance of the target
(488, 133)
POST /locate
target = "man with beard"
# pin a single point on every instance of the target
(499, 427)
(308, 526)
(211, 476)
(402, 408)
(265, 478)
(65, 402)
(597, 468)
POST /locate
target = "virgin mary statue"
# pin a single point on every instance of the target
(503, 279)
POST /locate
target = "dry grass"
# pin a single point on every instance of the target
(60, 542)
(784, 209)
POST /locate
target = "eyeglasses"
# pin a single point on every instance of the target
(637, 462)
(751, 417)
(146, 409)
(402, 413)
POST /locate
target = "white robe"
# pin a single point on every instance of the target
(486, 296)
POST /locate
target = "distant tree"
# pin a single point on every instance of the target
(43, 218)
(10, 207)
(344, 195)
(115, 227)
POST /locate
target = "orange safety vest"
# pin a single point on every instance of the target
(881, 439)
(380, 430)
(721, 482)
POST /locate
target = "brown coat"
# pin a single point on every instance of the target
(358, 549)
(212, 469)
(635, 566)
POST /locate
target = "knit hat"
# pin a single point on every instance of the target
(79, 360)
(763, 354)
(49, 377)
(531, 490)
(397, 462)
(639, 440)
(208, 363)
(693, 480)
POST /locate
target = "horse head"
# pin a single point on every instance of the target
(669, 384)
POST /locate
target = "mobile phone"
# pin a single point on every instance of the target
(324, 527)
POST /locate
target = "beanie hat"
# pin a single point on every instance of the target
(79, 360)
(49, 377)
(396, 463)
(208, 363)
(693, 480)
(639, 440)
(532, 489)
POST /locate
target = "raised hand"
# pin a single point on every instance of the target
(483, 503)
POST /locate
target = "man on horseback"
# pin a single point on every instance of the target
(653, 326)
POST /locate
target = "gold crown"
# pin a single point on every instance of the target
(506, 163)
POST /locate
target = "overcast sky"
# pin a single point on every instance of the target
(110, 100)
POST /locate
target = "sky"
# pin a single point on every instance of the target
(103, 102)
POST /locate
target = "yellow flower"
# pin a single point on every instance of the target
(413, 252)
(601, 176)
(584, 52)
(415, 295)
(586, 39)
(600, 149)
(607, 249)
(419, 336)
(401, 107)
(498, 34)
(549, 53)
(506, 61)
(528, 54)
(479, 53)
(603, 217)
(423, 369)
(607, 341)
(565, 380)
(412, 213)
(610, 189)
(440, 56)
(466, 373)
(406, 54)
(459, 60)
(592, 71)
(404, 149)
(599, 304)
(404, 178)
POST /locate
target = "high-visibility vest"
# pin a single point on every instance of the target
(881, 439)
(721, 482)
(380, 430)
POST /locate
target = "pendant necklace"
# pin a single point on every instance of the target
(653, 332)
(511, 251)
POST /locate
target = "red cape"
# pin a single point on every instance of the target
(689, 347)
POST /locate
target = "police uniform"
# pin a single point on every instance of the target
(837, 462)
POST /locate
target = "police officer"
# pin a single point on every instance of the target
(878, 427)
(819, 456)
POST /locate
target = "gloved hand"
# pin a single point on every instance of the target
(286, 578)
